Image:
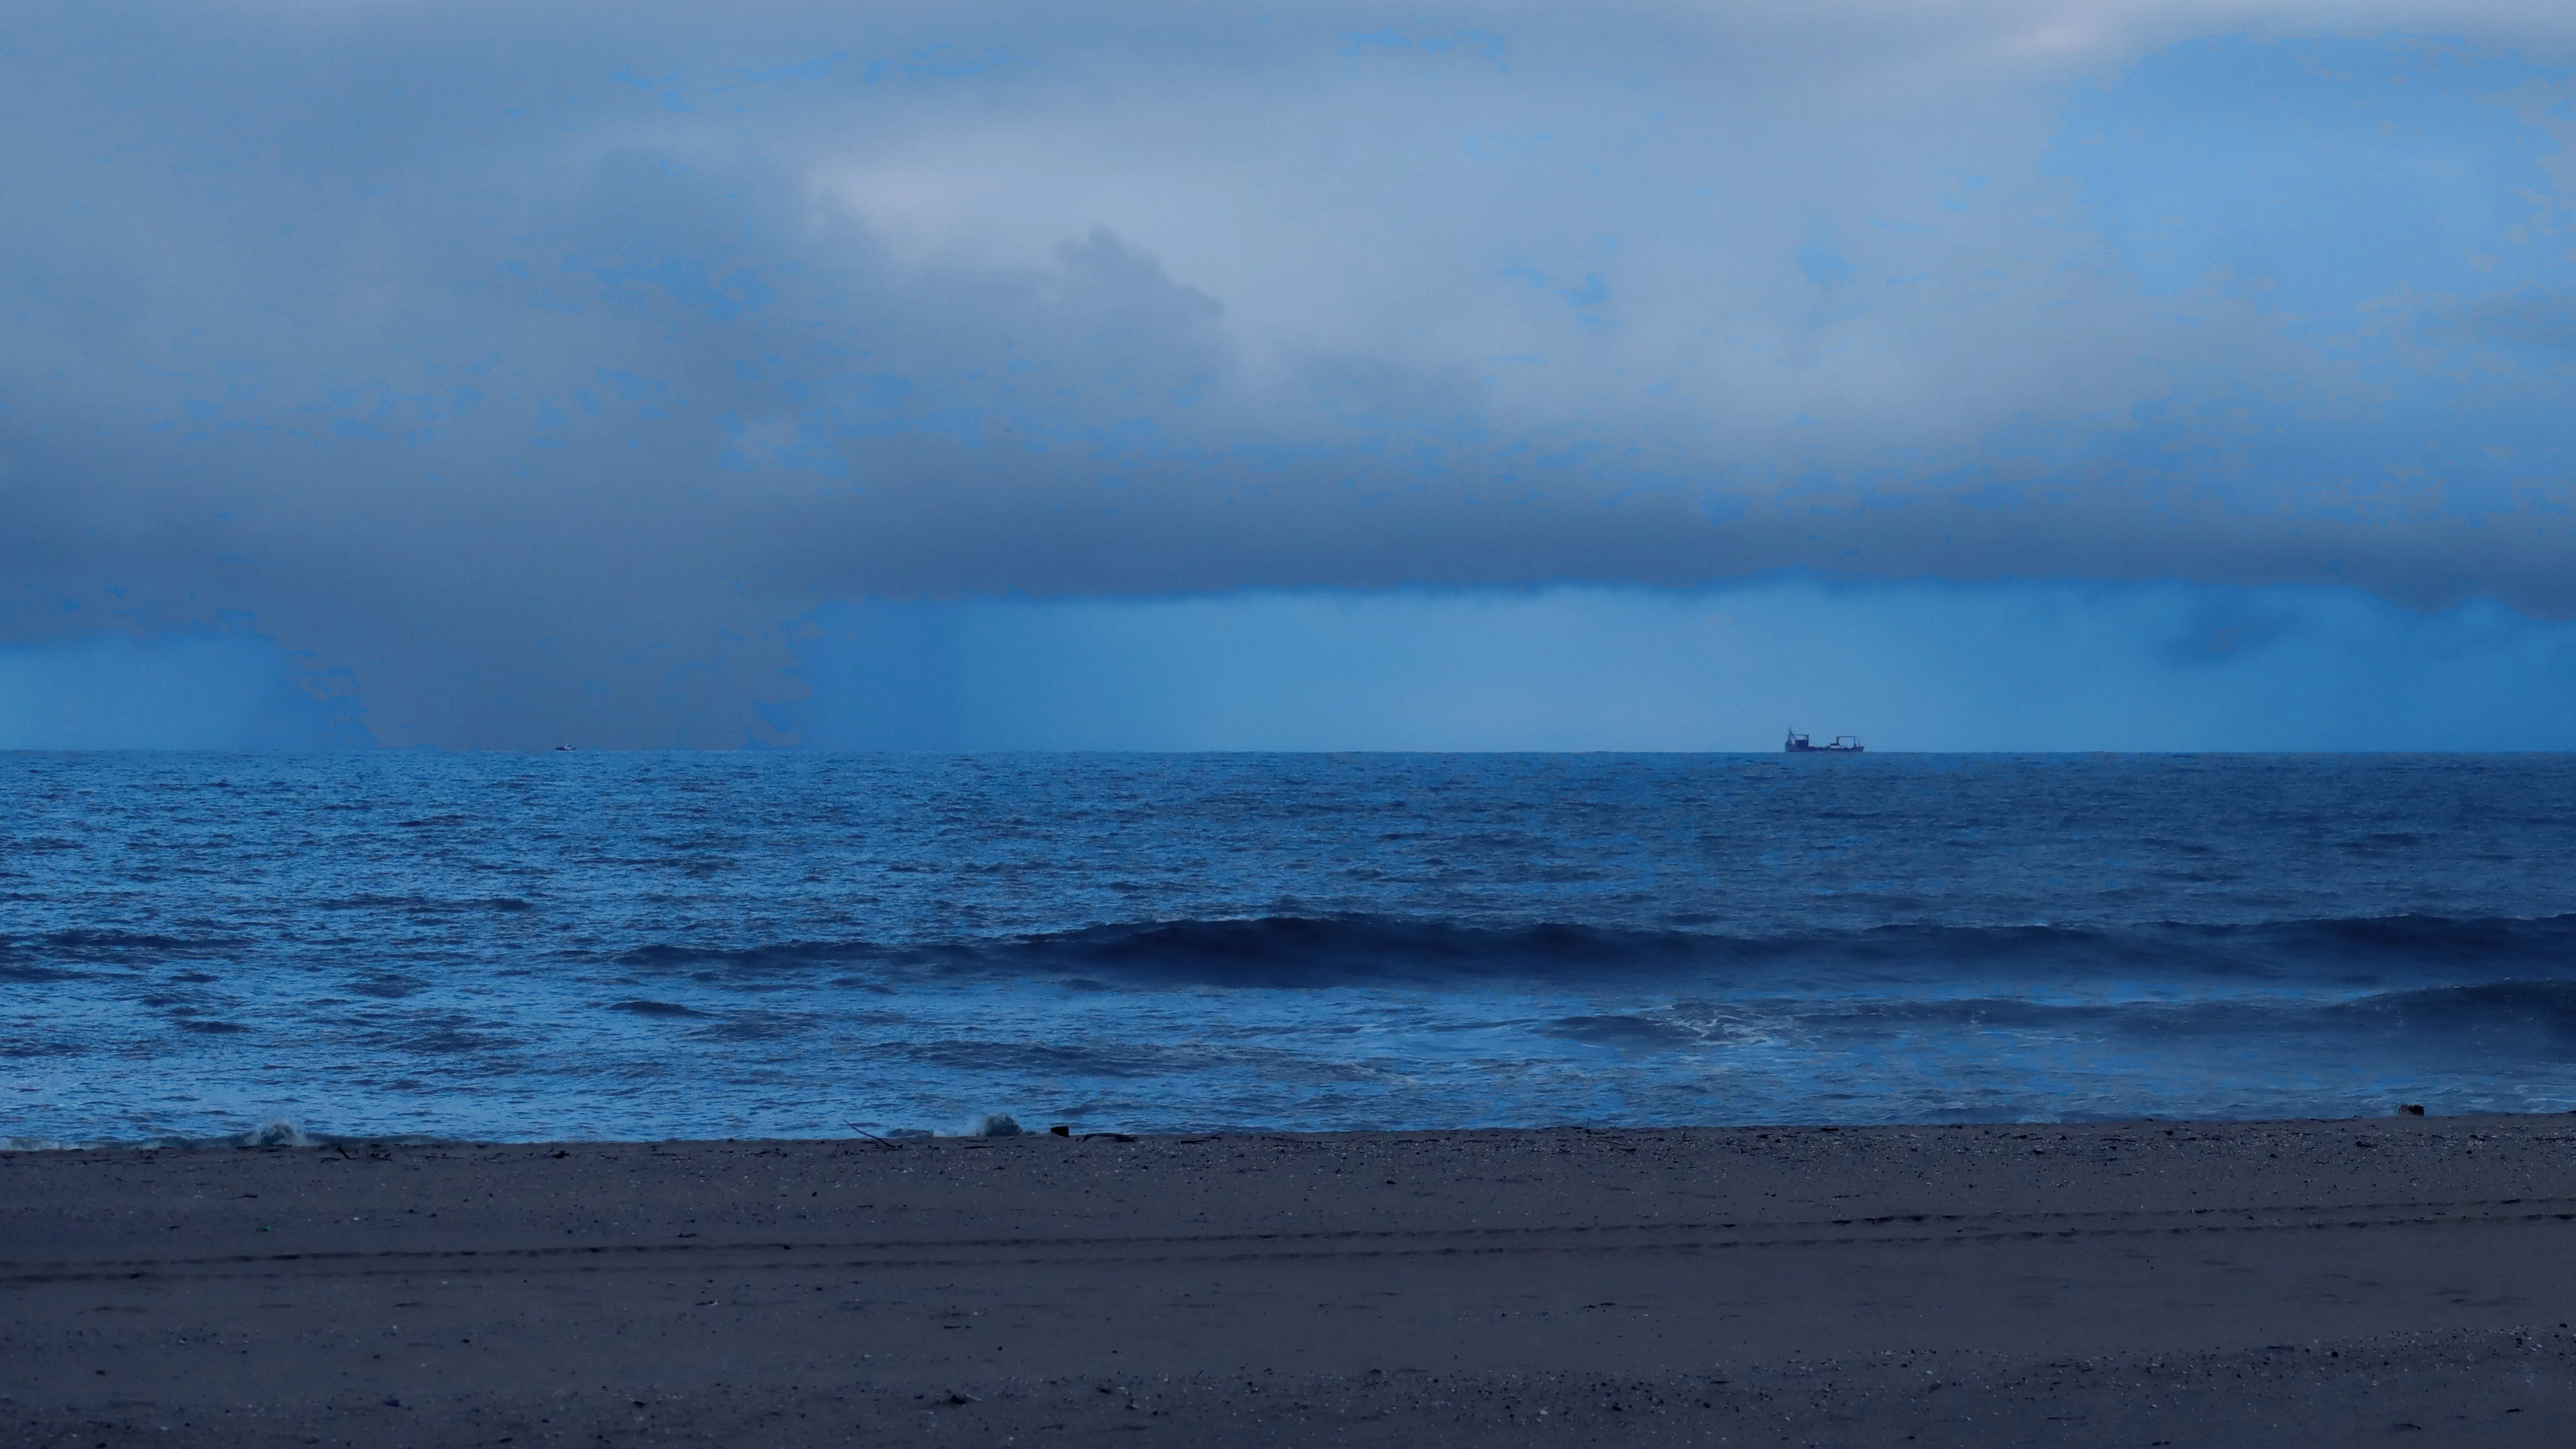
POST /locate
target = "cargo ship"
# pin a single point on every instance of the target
(1839, 745)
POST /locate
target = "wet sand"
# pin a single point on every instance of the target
(2407, 1280)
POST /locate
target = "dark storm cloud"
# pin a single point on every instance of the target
(545, 368)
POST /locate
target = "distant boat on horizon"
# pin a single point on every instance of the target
(1838, 745)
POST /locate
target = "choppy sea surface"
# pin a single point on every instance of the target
(731, 945)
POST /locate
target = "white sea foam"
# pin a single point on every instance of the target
(34, 1144)
(277, 1132)
(993, 1124)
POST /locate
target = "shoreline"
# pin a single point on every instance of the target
(284, 1133)
(1742, 1285)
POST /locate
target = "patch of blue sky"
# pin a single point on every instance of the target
(693, 285)
(939, 62)
(815, 69)
(2325, 174)
(1821, 264)
(1485, 45)
(631, 386)
(1505, 145)
(794, 446)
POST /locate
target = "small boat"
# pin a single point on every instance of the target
(1838, 745)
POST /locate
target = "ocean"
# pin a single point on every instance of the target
(647, 946)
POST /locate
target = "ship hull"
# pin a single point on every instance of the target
(1798, 744)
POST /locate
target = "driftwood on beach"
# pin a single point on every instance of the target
(2299, 1282)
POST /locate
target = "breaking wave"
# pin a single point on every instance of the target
(275, 1132)
(1362, 950)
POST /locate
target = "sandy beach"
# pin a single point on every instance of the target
(2409, 1280)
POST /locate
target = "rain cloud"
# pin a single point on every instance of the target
(566, 372)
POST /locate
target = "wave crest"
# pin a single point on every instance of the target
(1387, 950)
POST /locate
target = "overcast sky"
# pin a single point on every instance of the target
(625, 374)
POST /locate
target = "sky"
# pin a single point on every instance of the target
(1961, 374)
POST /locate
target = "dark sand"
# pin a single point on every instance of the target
(2406, 1281)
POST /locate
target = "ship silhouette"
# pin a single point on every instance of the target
(1838, 745)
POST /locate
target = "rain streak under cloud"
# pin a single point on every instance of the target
(776, 372)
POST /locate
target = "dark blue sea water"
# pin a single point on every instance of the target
(653, 945)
